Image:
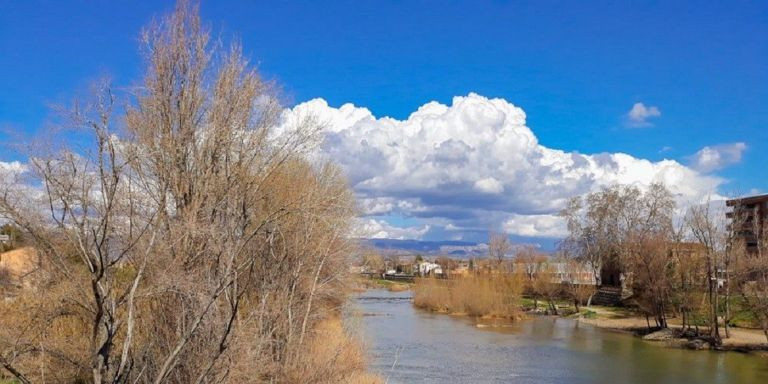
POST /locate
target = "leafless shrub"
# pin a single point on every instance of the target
(498, 247)
(194, 245)
(486, 295)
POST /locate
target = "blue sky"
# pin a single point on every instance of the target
(575, 68)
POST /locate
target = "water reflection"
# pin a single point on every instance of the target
(413, 346)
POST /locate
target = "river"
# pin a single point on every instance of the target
(407, 345)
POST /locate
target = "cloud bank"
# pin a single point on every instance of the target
(475, 165)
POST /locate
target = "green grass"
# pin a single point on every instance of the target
(740, 315)
(527, 303)
(616, 312)
(588, 314)
(744, 319)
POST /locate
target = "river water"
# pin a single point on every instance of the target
(408, 345)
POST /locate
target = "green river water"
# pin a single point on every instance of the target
(407, 345)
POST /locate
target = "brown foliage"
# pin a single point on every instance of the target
(196, 245)
(496, 295)
(498, 247)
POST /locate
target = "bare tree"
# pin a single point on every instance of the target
(498, 247)
(708, 231)
(606, 227)
(579, 288)
(547, 285)
(754, 289)
(748, 266)
(689, 281)
(373, 261)
(194, 244)
(650, 264)
(598, 225)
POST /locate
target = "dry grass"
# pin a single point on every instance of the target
(17, 265)
(396, 287)
(45, 333)
(487, 296)
(332, 355)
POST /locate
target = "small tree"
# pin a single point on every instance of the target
(751, 272)
(577, 288)
(498, 247)
(651, 267)
(707, 230)
(546, 285)
(373, 261)
(688, 282)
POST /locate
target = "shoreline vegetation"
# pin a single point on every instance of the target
(178, 231)
(494, 297)
(363, 284)
(494, 301)
(625, 320)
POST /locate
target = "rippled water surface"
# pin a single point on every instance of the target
(413, 346)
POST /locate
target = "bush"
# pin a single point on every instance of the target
(492, 295)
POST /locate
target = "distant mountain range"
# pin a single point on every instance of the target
(457, 249)
(451, 248)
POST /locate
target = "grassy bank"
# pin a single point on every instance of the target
(626, 320)
(491, 296)
(500, 297)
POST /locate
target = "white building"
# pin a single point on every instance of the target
(424, 268)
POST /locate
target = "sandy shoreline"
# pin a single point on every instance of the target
(740, 340)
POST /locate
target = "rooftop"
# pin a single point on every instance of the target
(747, 200)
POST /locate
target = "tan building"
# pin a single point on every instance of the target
(749, 219)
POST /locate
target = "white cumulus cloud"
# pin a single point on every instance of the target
(489, 185)
(475, 165)
(380, 229)
(712, 158)
(536, 225)
(639, 115)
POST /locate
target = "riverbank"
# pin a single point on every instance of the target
(335, 354)
(363, 284)
(409, 345)
(620, 319)
(624, 320)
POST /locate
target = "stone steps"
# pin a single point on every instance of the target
(607, 296)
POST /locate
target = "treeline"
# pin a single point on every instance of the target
(496, 287)
(692, 264)
(184, 240)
